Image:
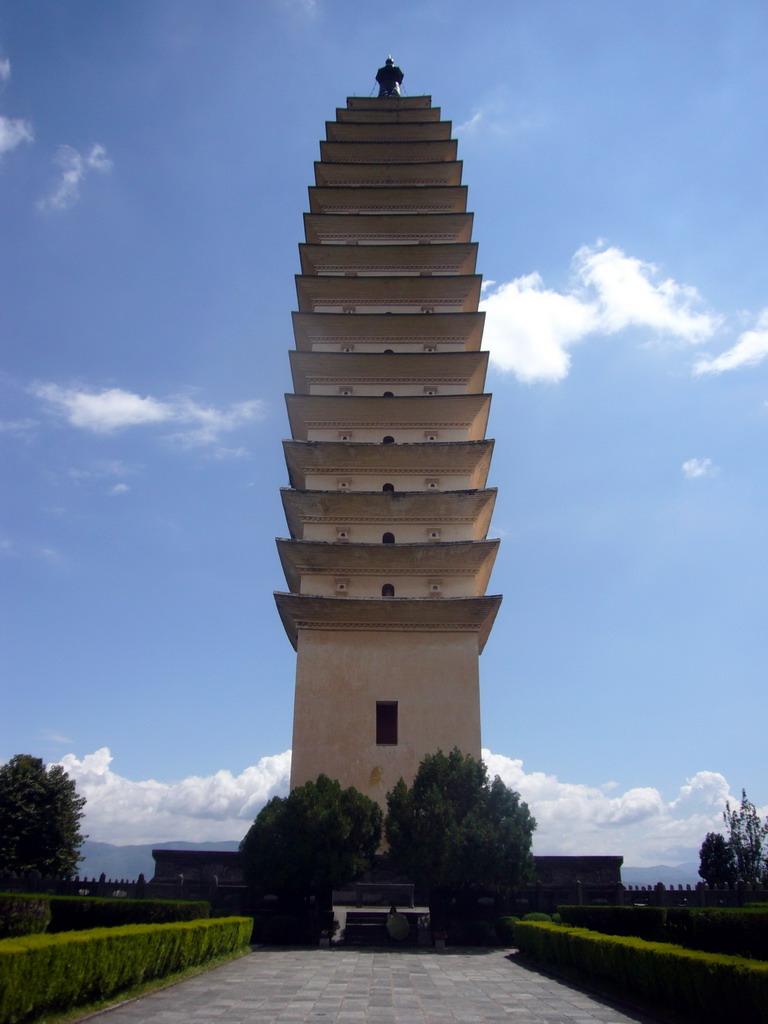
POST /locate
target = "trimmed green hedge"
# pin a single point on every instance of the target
(26, 914)
(42, 973)
(737, 931)
(76, 913)
(707, 987)
(642, 922)
(23, 914)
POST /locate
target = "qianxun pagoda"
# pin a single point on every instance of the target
(388, 510)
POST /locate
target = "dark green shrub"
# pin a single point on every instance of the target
(642, 922)
(77, 913)
(536, 915)
(740, 932)
(23, 914)
(47, 973)
(259, 924)
(479, 933)
(708, 988)
(505, 929)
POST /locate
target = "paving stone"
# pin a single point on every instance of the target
(370, 986)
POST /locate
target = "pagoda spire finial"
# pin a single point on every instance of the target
(390, 78)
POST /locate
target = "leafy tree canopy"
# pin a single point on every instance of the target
(747, 837)
(453, 827)
(742, 854)
(317, 838)
(40, 814)
(716, 863)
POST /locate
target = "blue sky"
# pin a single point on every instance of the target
(154, 160)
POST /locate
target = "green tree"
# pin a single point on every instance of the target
(453, 827)
(746, 838)
(40, 814)
(716, 862)
(317, 838)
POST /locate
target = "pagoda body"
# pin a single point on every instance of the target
(387, 563)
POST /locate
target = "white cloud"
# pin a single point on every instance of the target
(530, 329)
(104, 412)
(196, 809)
(573, 818)
(470, 124)
(22, 428)
(639, 824)
(301, 7)
(499, 117)
(231, 453)
(74, 167)
(119, 489)
(211, 422)
(54, 737)
(14, 131)
(694, 468)
(5, 69)
(49, 555)
(628, 296)
(750, 349)
(102, 468)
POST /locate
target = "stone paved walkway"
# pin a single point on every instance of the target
(371, 987)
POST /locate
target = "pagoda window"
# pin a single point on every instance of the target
(389, 351)
(389, 394)
(388, 538)
(386, 723)
(388, 487)
(435, 587)
(388, 590)
(388, 439)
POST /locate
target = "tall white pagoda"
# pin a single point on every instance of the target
(387, 561)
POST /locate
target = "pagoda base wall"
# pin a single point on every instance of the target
(340, 677)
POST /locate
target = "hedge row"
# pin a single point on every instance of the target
(23, 914)
(76, 913)
(42, 973)
(641, 922)
(739, 932)
(707, 987)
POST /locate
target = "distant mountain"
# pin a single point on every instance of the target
(129, 862)
(683, 874)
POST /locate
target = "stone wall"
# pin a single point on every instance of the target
(216, 876)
